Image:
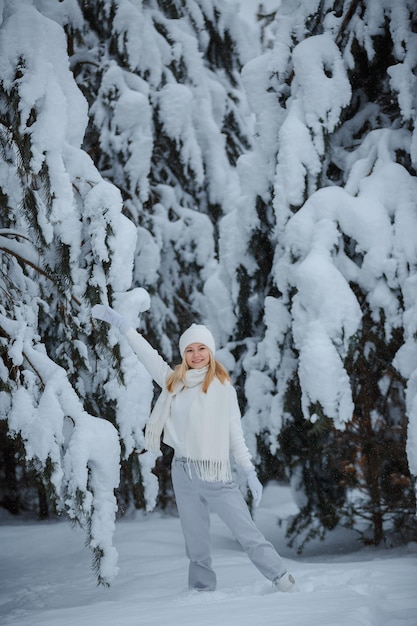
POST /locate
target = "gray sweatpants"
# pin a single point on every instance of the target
(195, 499)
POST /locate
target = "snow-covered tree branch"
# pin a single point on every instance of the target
(65, 244)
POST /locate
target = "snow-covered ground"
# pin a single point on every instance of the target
(46, 578)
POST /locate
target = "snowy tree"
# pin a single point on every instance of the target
(64, 245)
(334, 95)
(121, 123)
(167, 125)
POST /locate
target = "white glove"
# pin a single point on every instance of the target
(255, 486)
(107, 314)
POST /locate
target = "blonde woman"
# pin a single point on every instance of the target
(198, 415)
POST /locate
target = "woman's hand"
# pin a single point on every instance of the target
(255, 486)
(107, 314)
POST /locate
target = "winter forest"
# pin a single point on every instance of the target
(183, 164)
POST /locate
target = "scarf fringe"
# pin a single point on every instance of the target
(152, 439)
(212, 471)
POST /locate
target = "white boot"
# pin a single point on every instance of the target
(285, 583)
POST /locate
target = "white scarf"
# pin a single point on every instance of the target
(161, 410)
(210, 461)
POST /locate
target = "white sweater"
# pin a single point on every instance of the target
(201, 427)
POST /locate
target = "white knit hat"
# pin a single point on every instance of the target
(197, 333)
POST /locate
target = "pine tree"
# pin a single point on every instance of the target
(335, 90)
(58, 229)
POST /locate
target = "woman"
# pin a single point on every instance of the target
(198, 415)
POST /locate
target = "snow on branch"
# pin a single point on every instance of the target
(85, 249)
(322, 82)
(83, 450)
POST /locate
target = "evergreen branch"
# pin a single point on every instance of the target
(14, 233)
(19, 251)
(5, 334)
(348, 16)
(77, 64)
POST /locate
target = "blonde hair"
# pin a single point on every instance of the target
(215, 370)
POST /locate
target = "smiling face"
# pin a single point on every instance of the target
(197, 356)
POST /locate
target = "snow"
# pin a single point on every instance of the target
(322, 78)
(47, 88)
(46, 579)
(129, 131)
(84, 452)
(325, 310)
